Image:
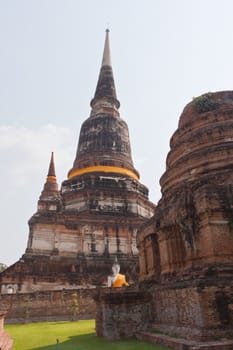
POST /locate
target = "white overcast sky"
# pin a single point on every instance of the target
(164, 52)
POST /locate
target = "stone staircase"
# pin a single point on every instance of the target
(184, 344)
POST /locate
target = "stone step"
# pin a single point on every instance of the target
(224, 344)
(184, 344)
(165, 340)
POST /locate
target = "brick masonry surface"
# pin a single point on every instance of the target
(121, 313)
(47, 306)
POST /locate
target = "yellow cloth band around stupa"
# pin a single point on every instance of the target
(51, 178)
(102, 168)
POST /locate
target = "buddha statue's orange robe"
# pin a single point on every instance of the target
(120, 281)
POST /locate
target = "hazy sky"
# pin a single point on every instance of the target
(164, 53)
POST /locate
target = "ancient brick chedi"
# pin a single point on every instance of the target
(186, 250)
(78, 230)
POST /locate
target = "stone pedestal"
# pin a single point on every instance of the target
(6, 343)
(121, 313)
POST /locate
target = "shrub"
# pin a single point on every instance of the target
(74, 306)
(204, 103)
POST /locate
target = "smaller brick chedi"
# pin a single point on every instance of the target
(78, 230)
(186, 249)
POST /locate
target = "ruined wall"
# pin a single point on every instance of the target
(186, 250)
(193, 220)
(193, 312)
(47, 306)
(121, 313)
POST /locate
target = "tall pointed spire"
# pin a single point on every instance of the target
(50, 189)
(105, 97)
(104, 145)
(106, 61)
(51, 173)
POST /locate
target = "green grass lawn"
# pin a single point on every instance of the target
(71, 335)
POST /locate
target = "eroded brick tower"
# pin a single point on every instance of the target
(186, 250)
(78, 231)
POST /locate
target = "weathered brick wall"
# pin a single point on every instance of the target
(186, 250)
(194, 312)
(121, 313)
(45, 306)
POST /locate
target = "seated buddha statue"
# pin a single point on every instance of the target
(116, 279)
